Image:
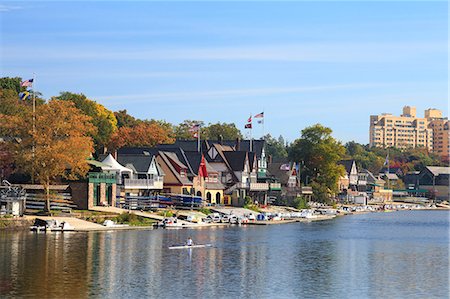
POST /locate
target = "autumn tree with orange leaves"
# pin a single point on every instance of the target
(143, 134)
(58, 145)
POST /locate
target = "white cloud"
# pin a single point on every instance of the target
(321, 52)
(229, 94)
(8, 8)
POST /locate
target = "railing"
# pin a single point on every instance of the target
(143, 184)
(259, 186)
(242, 185)
(275, 186)
(306, 190)
(100, 177)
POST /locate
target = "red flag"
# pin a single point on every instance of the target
(249, 120)
(202, 172)
(248, 126)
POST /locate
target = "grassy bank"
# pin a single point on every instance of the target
(9, 223)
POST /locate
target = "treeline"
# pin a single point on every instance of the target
(69, 128)
(112, 129)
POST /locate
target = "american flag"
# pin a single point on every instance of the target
(27, 83)
(259, 115)
(194, 128)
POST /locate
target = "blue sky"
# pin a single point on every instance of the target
(302, 63)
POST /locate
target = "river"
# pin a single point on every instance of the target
(378, 255)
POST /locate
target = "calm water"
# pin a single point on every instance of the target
(382, 255)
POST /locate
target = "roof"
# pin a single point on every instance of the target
(391, 176)
(369, 174)
(138, 163)
(186, 145)
(191, 145)
(236, 159)
(113, 165)
(171, 160)
(280, 174)
(251, 159)
(438, 170)
(146, 151)
(347, 165)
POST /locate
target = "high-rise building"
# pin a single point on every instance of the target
(405, 131)
(441, 134)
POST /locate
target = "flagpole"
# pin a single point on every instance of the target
(34, 126)
(388, 168)
(198, 139)
(263, 121)
(251, 136)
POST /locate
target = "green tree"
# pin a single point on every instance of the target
(182, 130)
(11, 83)
(125, 120)
(319, 153)
(276, 148)
(228, 131)
(103, 119)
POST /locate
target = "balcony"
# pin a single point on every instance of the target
(143, 183)
(100, 177)
(275, 186)
(259, 187)
(306, 190)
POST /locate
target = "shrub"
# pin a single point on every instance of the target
(301, 203)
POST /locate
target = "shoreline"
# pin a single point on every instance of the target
(79, 225)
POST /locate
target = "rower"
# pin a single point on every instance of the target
(189, 242)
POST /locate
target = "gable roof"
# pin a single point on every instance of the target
(347, 165)
(437, 170)
(280, 174)
(236, 159)
(113, 165)
(139, 163)
(171, 160)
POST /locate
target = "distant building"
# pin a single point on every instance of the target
(405, 131)
(436, 180)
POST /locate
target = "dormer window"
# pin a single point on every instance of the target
(183, 173)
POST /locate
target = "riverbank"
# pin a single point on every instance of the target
(83, 221)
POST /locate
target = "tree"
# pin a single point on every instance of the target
(227, 131)
(276, 148)
(144, 134)
(125, 120)
(319, 153)
(182, 130)
(103, 119)
(57, 147)
(11, 84)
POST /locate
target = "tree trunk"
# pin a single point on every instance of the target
(47, 197)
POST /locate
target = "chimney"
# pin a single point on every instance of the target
(270, 159)
(220, 139)
(238, 144)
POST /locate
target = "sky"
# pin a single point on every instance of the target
(302, 63)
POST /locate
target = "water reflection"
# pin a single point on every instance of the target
(373, 255)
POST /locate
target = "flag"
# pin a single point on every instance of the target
(194, 128)
(249, 120)
(285, 167)
(202, 172)
(261, 121)
(259, 115)
(27, 83)
(248, 126)
(386, 162)
(24, 95)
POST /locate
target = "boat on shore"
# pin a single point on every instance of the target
(50, 225)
